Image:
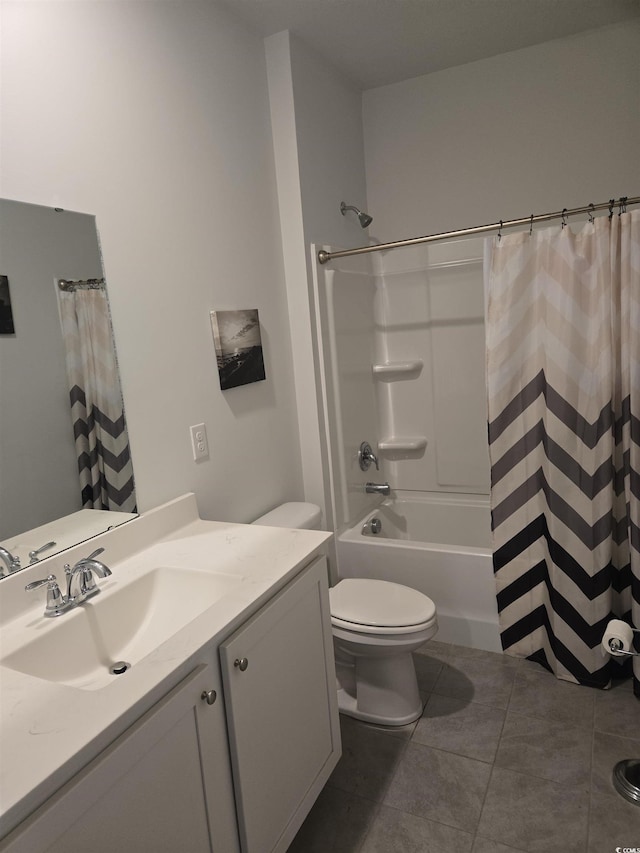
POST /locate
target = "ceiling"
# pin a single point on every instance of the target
(377, 42)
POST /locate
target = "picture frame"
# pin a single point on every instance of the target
(238, 344)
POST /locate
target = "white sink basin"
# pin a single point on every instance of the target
(123, 623)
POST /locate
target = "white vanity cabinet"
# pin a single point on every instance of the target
(236, 769)
(151, 791)
(281, 703)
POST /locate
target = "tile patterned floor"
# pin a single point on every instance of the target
(505, 759)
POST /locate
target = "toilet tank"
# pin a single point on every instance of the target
(297, 514)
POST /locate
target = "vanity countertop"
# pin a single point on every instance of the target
(49, 731)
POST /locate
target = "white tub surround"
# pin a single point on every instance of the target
(50, 731)
(439, 545)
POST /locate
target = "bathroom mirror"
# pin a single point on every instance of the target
(56, 491)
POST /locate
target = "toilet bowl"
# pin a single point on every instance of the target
(376, 625)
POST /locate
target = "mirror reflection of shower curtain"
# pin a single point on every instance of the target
(563, 376)
(102, 444)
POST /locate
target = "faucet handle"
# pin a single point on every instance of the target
(55, 601)
(50, 579)
(366, 456)
(93, 555)
(33, 555)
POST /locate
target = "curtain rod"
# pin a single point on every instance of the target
(324, 256)
(81, 284)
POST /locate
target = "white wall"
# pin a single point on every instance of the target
(317, 127)
(539, 129)
(552, 126)
(155, 118)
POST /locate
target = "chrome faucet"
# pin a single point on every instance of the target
(80, 581)
(11, 563)
(377, 488)
(81, 584)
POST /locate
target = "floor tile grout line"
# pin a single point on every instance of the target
(493, 764)
(427, 820)
(395, 770)
(591, 769)
(461, 755)
(369, 827)
(381, 802)
(453, 752)
(587, 789)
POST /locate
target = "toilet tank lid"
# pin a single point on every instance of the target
(297, 514)
(366, 601)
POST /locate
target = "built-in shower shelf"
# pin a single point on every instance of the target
(389, 369)
(393, 444)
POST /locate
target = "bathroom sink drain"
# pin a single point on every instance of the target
(119, 667)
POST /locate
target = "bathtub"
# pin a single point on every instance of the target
(440, 545)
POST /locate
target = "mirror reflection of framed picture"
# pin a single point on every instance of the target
(6, 314)
(236, 335)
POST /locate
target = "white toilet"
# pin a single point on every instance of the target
(376, 626)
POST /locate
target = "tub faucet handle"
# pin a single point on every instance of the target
(366, 456)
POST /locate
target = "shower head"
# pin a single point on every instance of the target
(364, 218)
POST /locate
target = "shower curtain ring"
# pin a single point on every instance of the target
(564, 216)
(623, 205)
(531, 226)
(612, 201)
(591, 209)
(500, 231)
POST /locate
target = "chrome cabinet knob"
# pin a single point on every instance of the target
(241, 664)
(209, 696)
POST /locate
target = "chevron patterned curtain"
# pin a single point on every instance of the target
(563, 378)
(102, 443)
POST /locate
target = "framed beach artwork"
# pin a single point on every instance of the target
(238, 343)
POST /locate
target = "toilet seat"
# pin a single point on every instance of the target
(367, 606)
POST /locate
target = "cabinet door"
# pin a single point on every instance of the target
(149, 792)
(280, 694)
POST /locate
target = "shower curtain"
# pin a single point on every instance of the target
(102, 444)
(563, 378)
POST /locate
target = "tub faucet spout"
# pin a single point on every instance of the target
(377, 488)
